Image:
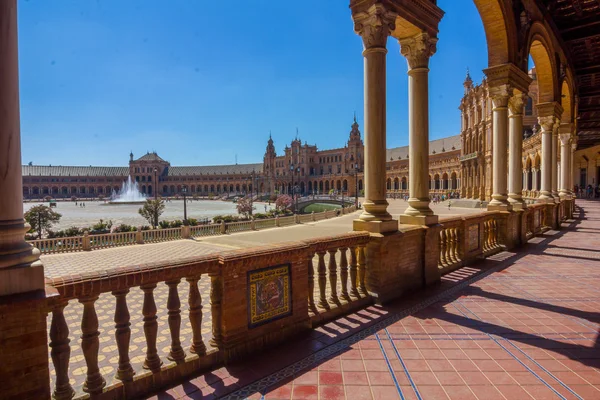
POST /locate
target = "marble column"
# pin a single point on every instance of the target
(515, 151)
(555, 160)
(374, 27)
(20, 268)
(565, 164)
(417, 50)
(572, 178)
(547, 124)
(500, 96)
(534, 181)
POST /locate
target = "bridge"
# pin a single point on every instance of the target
(305, 201)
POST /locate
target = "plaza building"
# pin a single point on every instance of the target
(300, 166)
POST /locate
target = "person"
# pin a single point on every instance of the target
(449, 204)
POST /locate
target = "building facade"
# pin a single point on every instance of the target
(301, 166)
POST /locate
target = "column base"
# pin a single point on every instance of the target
(517, 203)
(22, 278)
(375, 226)
(426, 220)
(545, 199)
(499, 207)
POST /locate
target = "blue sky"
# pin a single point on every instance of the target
(199, 81)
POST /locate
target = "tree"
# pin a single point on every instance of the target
(41, 218)
(151, 210)
(283, 201)
(245, 207)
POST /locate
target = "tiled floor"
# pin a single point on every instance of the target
(516, 326)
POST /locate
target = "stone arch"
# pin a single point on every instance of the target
(165, 189)
(360, 184)
(388, 184)
(396, 183)
(345, 185)
(321, 186)
(566, 100)
(327, 186)
(404, 183)
(540, 48)
(36, 190)
(537, 161)
(498, 23)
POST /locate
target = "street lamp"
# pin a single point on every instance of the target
(356, 186)
(155, 184)
(184, 191)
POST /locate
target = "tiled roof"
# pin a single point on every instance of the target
(434, 145)
(216, 169)
(59, 170)
(150, 157)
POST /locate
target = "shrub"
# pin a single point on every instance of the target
(192, 221)
(175, 224)
(164, 224)
(125, 228)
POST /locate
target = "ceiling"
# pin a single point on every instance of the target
(578, 23)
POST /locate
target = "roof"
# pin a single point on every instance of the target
(150, 157)
(59, 170)
(438, 145)
(216, 169)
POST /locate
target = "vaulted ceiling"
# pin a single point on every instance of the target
(578, 24)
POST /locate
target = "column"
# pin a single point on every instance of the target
(417, 50)
(20, 268)
(547, 123)
(515, 151)
(565, 162)
(555, 160)
(374, 26)
(500, 95)
(572, 178)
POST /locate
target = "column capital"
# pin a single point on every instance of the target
(516, 103)
(374, 25)
(547, 123)
(500, 95)
(418, 49)
(565, 138)
(565, 127)
(508, 74)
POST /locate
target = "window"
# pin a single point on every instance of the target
(529, 106)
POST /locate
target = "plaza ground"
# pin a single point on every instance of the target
(518, 325)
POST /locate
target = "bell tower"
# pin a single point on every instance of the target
(269, 164)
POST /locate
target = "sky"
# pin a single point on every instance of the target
(204, 82)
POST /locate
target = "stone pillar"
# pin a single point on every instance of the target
(500, 96)
(555, 160)
(417, 50)
(515, 151)
(546, 123)
(572, 178)
(534, 179)
(565, 160)
(374, 27)
(20, 268)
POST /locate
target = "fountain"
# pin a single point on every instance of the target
(129, 194)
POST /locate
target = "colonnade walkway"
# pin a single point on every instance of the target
(517, 325)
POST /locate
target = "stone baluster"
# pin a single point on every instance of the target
(195, 303)
(311, 281)
(362, 270)
(322, 280)
(153, 361)
(344, 273)
(354, 272)
(495, 233)
(123, 335)
(442, 255)
(485, 236)
(216, 297)
(90, 344)
(174, 306)
(332, 267)
(456, 244)
(60, 353)
(448, 256)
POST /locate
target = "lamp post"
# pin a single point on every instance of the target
(184, 191)
(356, 186)
(155, 184)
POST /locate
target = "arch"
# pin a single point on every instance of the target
(345, 185)
(54, 190)
(82, 190)
(537, 162)
(237, 187)
(100, 190)
(388, 184)
(301, 187)
(25, 191)
(310, 186)
(396, 183)
(540, 49)
(144, 189)
(36, 190)
(566, 97)
(327, 186)
(360, 184)
(445, 182)
(338, 185)
(436, 179)
(499, 25)
(64, 190)
(165, 189)
(172, 189)
(73, 190)
(453, 181)
(321, 186)
(404, 183)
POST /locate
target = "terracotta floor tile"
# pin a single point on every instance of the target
(307, 378)
(330, 378)
(359, 393)
(500, 378)
(331, 392)
(459, 392)
(449, 378)
(487, 392)
(355, 378)
(353, 365)
(440, 365)
(282, 392)
(385, 393)
(378, 378)
(305, 392)
(432, 392)
(474, 378)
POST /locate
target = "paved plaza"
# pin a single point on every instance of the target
(518, 325)
(57, 265)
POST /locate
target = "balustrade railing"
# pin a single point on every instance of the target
(239, 226)
(59, 245)
(451, 249)
(146, 352)
(205, 230)
(336, 271)
(112, 240)
(161, 235)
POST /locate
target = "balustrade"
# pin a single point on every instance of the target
(450, 243)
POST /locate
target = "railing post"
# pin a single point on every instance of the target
(322, 280)
(185, 232)
(195, 305)
(313, 216)
(139, 238)
(61, 352)
(252, 224)
(223, 227)
(122, 335)
(87, 246)
(311, 281)
(153, 361)
(216, 301)
(442, 254)
(354, 272)
(277, 221)
(90, 344)
(344, 273)
(332, 267)
(297, 218)
(361, 270)
(174, 306)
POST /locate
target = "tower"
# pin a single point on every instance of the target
(269, 164)
(468, 84)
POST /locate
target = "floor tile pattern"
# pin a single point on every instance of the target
(516, 326)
